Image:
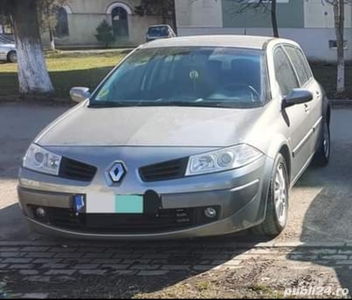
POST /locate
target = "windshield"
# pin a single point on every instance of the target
(158, 31)
(191, 76)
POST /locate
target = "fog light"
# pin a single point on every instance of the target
(210, 212)
(40, 212)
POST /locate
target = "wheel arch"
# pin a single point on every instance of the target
(285, 151)
(281, 145)
(328, 114)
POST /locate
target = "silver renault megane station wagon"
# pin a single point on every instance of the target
(186, 137)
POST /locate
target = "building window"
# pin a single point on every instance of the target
(333, 44)
(61, 28)
(265, 1)
(119, 17)
(5, 25)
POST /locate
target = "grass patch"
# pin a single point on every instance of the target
(326, 74)
(86, 69)
(203, 285)
(66, 71)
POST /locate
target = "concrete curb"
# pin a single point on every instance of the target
(240, 245)
(36, 100)
(50, 100)
(341, 103)
(68, 51)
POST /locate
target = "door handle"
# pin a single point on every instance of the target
(306, 107)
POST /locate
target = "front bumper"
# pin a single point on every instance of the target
(239, 197)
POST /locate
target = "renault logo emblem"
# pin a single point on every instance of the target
(117, 171)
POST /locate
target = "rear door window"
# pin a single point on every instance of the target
(300, 64)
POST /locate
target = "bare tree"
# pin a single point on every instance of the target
(47, 10)
(164, 8)
(339, 22)
(5, 21)
(241, 6)
(33, 76)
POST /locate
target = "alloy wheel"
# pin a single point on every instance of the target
(280, 195)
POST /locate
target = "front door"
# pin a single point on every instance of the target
(297, 117)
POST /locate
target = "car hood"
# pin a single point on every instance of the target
(150, 126)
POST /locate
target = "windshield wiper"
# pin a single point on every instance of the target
(182, 103)
(106, 104)
(164, 103)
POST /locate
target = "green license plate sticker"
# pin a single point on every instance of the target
(129, 204)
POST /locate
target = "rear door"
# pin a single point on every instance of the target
(307, 81)
(297, 116)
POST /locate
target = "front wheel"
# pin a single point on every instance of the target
(12, 56)
(277, 202)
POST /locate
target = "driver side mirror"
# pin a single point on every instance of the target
(297, 96)
(79, 94)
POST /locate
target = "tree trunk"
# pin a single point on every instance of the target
(339, 13)
(174, 22)
(164, 11)
(33, 76)
(274, 19)
(52, 39)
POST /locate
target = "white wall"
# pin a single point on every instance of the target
(314, 41)
(200, 13)
(319, 14)
(86, 15)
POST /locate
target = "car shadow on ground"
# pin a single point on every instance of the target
(329, 216)
(13, 226)
(182, 259)
(122, 261)
(321, 222)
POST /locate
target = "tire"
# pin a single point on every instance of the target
(322, 156)
(12, 56)
(277, 202)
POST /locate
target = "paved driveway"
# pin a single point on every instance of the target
(19, 124)
(320, 216)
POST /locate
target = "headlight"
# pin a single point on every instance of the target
(41, 160)
(222, 160)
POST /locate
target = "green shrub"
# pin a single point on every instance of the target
(105, 34)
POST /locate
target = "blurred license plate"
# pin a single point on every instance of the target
(129, 204)
(105, 203)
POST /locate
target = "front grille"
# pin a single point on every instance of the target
(75, 170)
(172, 169)
(165, 220)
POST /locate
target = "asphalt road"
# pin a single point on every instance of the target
(320, 207)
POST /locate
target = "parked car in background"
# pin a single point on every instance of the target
(7, 49)
(161, 31)
(186, 137)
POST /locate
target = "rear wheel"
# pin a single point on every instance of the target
(277, 202)
(12, 56)
(322, 156)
